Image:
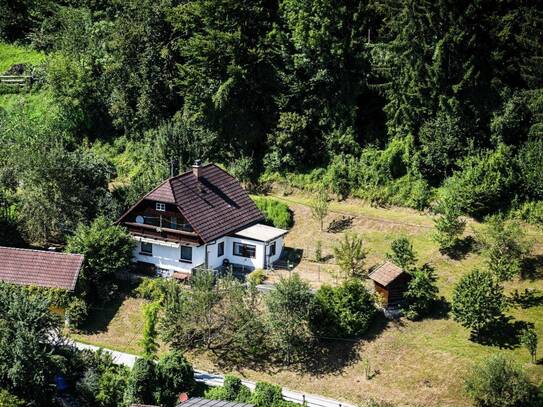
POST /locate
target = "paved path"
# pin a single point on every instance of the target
(211, 379)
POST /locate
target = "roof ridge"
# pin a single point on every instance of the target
(190, 172)
(41, 251)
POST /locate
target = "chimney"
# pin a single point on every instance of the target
(196, 169)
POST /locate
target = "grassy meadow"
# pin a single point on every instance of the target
(412, 363)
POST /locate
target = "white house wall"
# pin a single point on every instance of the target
(166, 255)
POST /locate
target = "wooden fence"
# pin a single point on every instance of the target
(18, 81)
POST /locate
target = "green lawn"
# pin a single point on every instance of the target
(16, 54)
(419, 363)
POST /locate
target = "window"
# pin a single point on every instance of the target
(244, 250)
(220, 249)
(146, 248)
(160, 206)
(173, 222)
(186, 253)
(272, 249)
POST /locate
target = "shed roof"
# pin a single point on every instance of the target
(39, 267)
(200, 402)
(260, 232)
(386, 273)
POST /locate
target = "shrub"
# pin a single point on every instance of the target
(276, 213)
(350, 255)
(529, 340)
(342, 311)
(256, 277)
(531, 212)
(318, 251)
(319, 210)
(154, 289)
(233, 390)
(449, 226)
(484, 182)
(142, 383)
(174, 376)
(266, 395)
(478, 300)
(402, 253)
(505, 247)
(77, 312)
(497, 382)
(107, 249)
(421, 293)
(289, 305)
(9, 400)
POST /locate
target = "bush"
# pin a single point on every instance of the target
(77, 312)
(484, 182)
(350, 255)
(174, 376)
(142, 383)
(449, 226)
(531, 212)
(478, 301)
(497, 382)
(107, 249)
(421, 293)
(266, 395)
(154, 289)
(233, 390)
(342, 311)
(9, 400)
(402, 253)
(505, 247)
(276, 213)
(256, 277)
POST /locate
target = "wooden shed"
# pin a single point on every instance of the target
(390, 282)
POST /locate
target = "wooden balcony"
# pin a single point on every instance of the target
(161, 233)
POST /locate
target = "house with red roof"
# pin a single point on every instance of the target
(40, 268)
(201, 218)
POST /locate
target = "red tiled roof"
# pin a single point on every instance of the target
(162, 193)
(386, 273)
(215, 204)
(39, 267)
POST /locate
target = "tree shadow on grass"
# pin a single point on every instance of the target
(461, 248)
(527, 299)
(533, 268)
(333, 355)
(440, 309)
(100, 315)
(504, 333)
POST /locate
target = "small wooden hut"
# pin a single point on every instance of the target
(390, 282)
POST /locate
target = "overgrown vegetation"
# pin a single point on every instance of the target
(276, 213)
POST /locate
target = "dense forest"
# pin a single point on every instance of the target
(413, 103)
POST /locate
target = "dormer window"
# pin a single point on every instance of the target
(160, 206)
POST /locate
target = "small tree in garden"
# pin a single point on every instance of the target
(350, 255)
(142, 383)
(174, 376)
(318, 251)
(449, 226)
(149, 341)
(529, 340)
(478, 301)
(107, 249)
(505, 247)
(497, 382)
(421, 293)
(342, 311)
(320, 207)
(402, 253)
(289, 305)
